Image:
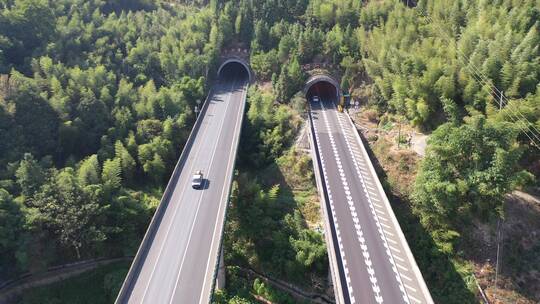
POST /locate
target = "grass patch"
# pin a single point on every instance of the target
(97, 286)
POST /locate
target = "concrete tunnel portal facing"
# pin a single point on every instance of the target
(323, 86)
(235, 66)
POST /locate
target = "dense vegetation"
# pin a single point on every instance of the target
(96, 101)
(436, 66)
(428, 72)
(95, 106)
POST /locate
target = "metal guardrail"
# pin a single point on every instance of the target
(160, 210)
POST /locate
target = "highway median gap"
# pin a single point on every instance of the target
(274, 206)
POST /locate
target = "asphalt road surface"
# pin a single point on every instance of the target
(180, 264)
(376, 264)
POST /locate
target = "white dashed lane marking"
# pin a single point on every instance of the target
(411, 288)
(380, 211)
(388, 232)
(378, 205)
(391, 241)
(406, 277)
(386, 226)
(394, 249)
(402, 267)
(414, 299)
(397, 257)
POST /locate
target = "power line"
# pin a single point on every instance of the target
(482, 79)
(477, 74)
(493, 89)
(523, 126)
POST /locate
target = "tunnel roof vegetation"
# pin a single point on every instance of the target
(97, 98)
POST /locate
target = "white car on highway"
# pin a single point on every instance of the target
(197, 181)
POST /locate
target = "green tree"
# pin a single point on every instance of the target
(310, 249)
(93, 115)
(290, 80)
(155, 168)
(127, 163)
(30, 175)
(70, 211)
(35, 117)
(89, 171)
(28, 25)
(466, 172)
(11, 221)
(111, 176)
(226, 26)
(265, 64)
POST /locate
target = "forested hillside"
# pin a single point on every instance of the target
(468, 71)
(96, 102)
(97, 99)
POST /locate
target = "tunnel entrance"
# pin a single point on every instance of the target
(233, 68)
(325, 90)
(323, 86)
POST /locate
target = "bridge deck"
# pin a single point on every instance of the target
(373, 257)
(177, 263)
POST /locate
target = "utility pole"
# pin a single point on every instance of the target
(197, 109)
(399, 132)
(501, 100)
(498, 253)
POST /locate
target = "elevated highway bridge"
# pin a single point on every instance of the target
(179, 257)
(370, 259)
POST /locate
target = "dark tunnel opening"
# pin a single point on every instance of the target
(326, 91)
(233, 70)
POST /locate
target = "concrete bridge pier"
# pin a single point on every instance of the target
(220, 278)
(330, 280)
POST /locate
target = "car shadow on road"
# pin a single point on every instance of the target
(205, 184)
